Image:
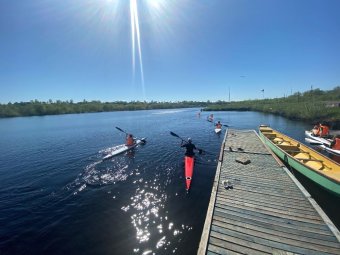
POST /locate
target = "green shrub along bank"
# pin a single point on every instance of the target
(312, 106)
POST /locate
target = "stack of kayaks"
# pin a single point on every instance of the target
(315, 166)
(320, 141)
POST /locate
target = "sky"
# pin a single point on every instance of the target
(167, 50)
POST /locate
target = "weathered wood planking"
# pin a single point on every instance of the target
(266, 211)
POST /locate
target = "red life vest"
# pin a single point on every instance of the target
(336, 146)
(129, 141)
(218, 125)
(324, 130)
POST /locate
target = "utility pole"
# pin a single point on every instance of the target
(229, 94)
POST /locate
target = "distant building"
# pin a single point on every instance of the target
(333, 104)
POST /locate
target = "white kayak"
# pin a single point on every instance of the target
(330, 150)
(218, 130)
(123, 148)
(317, 138)
(323, 146)
(312, 141)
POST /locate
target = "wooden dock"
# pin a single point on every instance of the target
(265, 210)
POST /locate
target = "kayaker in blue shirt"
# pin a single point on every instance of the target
(190, 147)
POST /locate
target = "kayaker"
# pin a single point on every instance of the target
(190, 147)
(129, 140)
(323, 130)
(218, 124)
(316, 130)
(335, 145)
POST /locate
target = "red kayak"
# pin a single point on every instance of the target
(189, 169)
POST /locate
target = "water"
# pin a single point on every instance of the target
(58, 197)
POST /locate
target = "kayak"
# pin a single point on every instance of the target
(123, 148)
(312, 141)
(330, 150)
(317, 138)
(323, 146)
(218, 130)
(189, 169)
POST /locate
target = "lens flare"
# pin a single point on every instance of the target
(136, 42)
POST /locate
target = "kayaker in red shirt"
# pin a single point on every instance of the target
(323, 130)
(129, 140)
(218, 124)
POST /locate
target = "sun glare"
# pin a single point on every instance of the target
(155, 10)
(154, 3)
(136, 42)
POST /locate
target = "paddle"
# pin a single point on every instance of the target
(121, 130)
(200, 151)
(173, 134)
(225, 125)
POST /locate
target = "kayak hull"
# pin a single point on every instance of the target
(119, 149)
(218, 130)
(330, 150)
(317, 138)
(322, 142)
(188, 170)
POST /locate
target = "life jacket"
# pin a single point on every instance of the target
(218, 125)
(324, 131)
(336, 146)
(129, 141)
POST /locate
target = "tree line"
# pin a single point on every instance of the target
(39, 108)
(313, 105)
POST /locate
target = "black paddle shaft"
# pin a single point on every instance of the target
(121, 130)
(173, 134)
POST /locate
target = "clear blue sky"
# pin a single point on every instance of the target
(191, 49)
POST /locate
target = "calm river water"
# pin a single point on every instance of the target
(58, 197)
